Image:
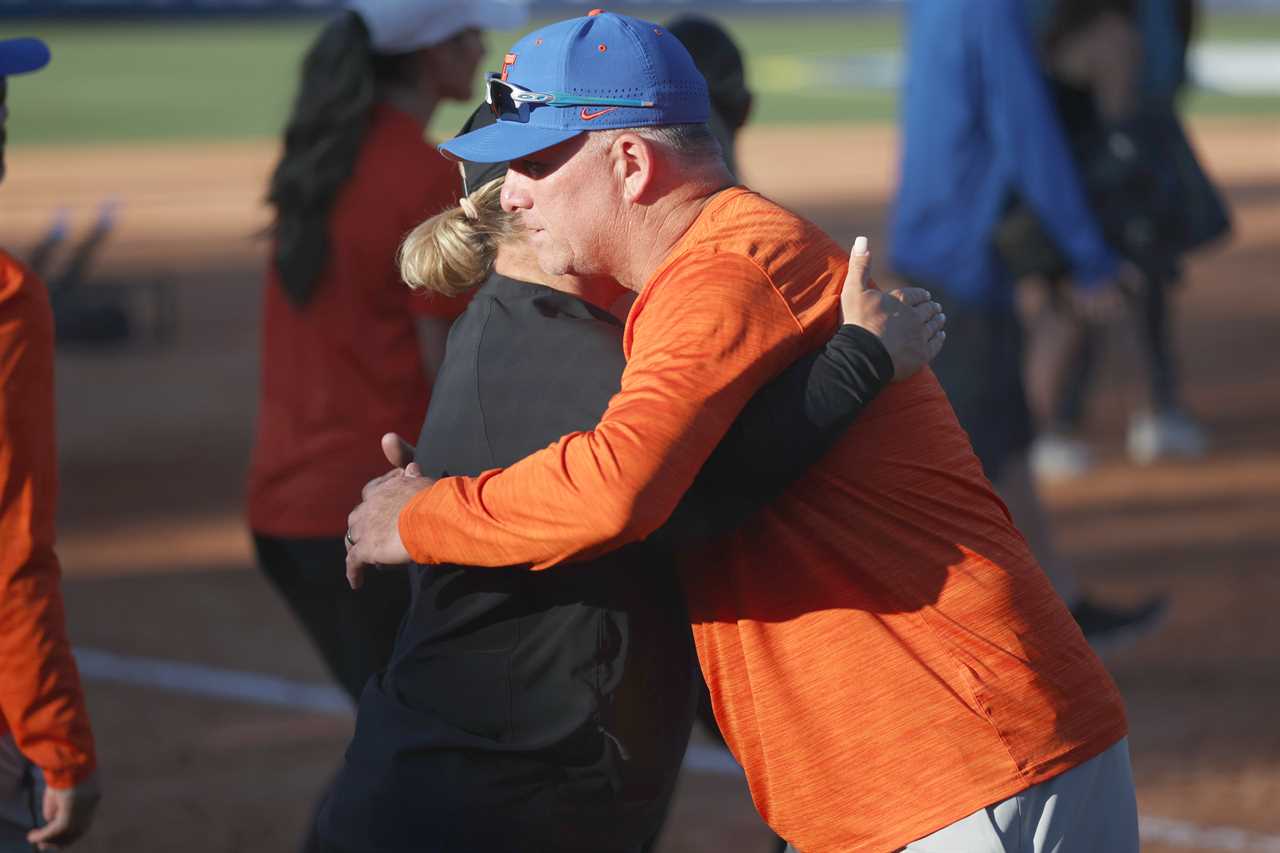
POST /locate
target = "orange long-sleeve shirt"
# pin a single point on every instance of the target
(41, 702)
(346, 367)
(884, 654)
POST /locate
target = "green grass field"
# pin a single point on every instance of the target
(233, 79)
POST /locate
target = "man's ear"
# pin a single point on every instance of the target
(635, 160)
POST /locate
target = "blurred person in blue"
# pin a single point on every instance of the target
(979, 132)
(49, 786)
(348, 352)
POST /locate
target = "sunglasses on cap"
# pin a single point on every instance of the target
(510, 102)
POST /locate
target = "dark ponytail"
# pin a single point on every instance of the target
(330, 118)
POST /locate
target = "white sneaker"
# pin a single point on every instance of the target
(1164, 435)
(1055, 456)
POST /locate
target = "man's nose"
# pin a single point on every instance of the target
(515, 195)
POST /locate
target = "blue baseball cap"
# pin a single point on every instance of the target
(600, 72)
(20, 55)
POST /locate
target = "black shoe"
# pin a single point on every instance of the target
(1108, 628)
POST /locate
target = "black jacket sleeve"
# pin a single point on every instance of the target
(786, 427)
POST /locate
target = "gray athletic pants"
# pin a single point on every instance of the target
(21, 791)
(1090, 808)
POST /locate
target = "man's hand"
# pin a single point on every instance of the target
(907, 322)
(67, 813)
(398, 451)
(400, 454)
(373, 528)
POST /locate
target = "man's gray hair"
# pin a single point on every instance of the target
(694, 142)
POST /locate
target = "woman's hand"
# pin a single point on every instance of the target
(907, 321)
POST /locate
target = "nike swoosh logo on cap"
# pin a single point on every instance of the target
(586, 116)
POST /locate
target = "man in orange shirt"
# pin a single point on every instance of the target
(886, 659)
(45, 740)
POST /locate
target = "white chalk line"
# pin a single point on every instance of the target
(256, 689)
(213, 682)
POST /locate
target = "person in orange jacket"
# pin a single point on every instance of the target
(48, 770)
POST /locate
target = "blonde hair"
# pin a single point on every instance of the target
(453, 251)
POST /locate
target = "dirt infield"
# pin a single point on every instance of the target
(155, 438)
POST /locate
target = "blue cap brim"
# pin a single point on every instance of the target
(505, 140)
(20, 55)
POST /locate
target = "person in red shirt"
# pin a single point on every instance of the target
(348, 352)
(886, 659)
(48, 779)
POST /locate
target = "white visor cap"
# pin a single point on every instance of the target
(401, 26)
